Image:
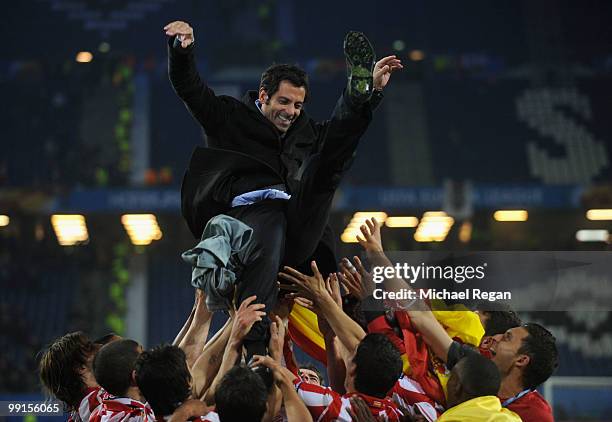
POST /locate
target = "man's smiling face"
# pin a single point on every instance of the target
(285, 105)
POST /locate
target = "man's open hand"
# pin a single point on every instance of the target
(313, 286)
(371, 240)
(277, 338)
(282, 376)
(247, 314)
(355, 279)
(383, 69)
(183, 32)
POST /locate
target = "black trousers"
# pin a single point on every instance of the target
(290, 232)
(261, 262)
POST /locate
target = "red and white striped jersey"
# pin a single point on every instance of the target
(410, 395)
(122, 409)
(325, 405)
(92, 400)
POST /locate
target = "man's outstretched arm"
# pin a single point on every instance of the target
(295, 408)
(211, 111)
(347, 330)
(247, 314)
(207, 365)
(192, 339)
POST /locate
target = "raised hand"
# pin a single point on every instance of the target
(313, 286)
(183, 32)
(355, 279)
(295, 408)
(277, 370)
(277, 338)
(247, 314)
(371, 240)
(347, 330)
(383, 69)
(333, 288)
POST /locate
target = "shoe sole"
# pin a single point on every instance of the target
(359, 54)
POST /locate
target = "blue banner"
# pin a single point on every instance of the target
(347, 199)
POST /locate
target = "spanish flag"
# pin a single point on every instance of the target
(419, 363)
(414, 352)
(304, 331)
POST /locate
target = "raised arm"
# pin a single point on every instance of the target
(194, 338)
(294, 406)
(347, 330)
(211, 111)
(247, 315)
(419, 312)
(334, 350)
(207, 366)
(432, 331)
(181, 334)
(371, 242)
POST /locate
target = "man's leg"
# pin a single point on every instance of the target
(309, 207)
(261, 258)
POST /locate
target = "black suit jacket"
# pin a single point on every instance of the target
(245, 150)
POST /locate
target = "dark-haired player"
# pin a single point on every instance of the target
(66, 373)
(113, 368)
(472, 392)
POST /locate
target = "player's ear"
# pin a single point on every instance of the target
(263, 96)
(522, 361)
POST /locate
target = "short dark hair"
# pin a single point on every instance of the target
(378, 365)
(314, 369)
(113, 366)
(478, 376)
(241, 396)
(541, 347)
(163, 378)
(275, 74)
(500, 319)
(60, 367)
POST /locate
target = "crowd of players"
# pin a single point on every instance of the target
(385, 362)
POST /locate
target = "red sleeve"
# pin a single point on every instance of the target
(317, 398)
(532, 408)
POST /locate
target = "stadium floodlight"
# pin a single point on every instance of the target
(434, 227)
(465, 232)
(599, 214)
(142, 228)
(4, 220)
(84, 57)
(510, 215)
(592, 235)
(352, 229)
(401, 221)
(70, 229)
